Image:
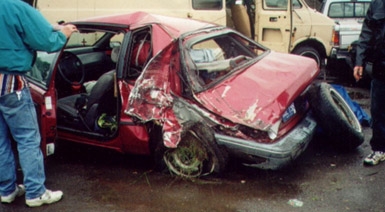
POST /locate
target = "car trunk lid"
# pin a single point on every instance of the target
(258, 95)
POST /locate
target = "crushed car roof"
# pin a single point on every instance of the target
(175, 26)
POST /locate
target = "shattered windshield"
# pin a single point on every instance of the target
(217, 56)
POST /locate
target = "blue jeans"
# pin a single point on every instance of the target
(18, 118)
(378, 115)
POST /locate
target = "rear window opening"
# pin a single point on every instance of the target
(216, 57)
(348, 9)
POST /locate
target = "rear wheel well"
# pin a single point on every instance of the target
(197, 153)
(313, 44)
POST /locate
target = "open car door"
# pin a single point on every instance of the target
(274, 24)
(44, 97)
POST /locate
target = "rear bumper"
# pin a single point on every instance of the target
(339, 54)
(275, 155)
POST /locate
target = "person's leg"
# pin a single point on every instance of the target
(377, 141)
(20, 115)
(7, 161)
(377, 110)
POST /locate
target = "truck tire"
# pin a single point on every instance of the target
(197, 154)
(336, 118)
(310, 52)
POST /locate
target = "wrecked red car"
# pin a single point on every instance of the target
(189, 93)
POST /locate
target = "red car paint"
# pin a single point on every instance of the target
(263, 91)
(164, 29)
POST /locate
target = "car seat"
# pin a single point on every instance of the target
(114, 58)
(140, 54)
(82, 110)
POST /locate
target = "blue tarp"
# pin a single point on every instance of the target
(361, 115)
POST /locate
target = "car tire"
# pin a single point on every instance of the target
(336, 118)
(310, 52)
(196, 155)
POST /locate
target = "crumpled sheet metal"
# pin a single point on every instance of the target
(150, 102)
(151, 99)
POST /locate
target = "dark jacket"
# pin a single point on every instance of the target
(371, 45)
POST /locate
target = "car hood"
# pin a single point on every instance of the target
(258, 95)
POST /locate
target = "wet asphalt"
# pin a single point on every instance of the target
(320, 180)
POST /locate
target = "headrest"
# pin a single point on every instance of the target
(115, 54)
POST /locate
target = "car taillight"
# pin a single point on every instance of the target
(336, 38)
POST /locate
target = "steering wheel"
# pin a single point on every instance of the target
(71, 69)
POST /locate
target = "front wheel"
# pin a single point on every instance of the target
(310, 52)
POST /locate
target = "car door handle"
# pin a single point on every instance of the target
(273, 19)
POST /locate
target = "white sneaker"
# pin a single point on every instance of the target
(375, 158)
(47, 198)
(19, 191)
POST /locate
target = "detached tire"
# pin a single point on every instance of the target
(197, 154)
(335, 117)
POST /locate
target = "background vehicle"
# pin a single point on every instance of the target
(288, 26)
(348, 16)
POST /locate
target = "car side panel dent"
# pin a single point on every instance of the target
(188, 114)
(151, 98)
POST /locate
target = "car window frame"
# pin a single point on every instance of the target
(198, 87)
(41, 83)
(295, 3)
(128, 50)
(195, 3)
(97, 44)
